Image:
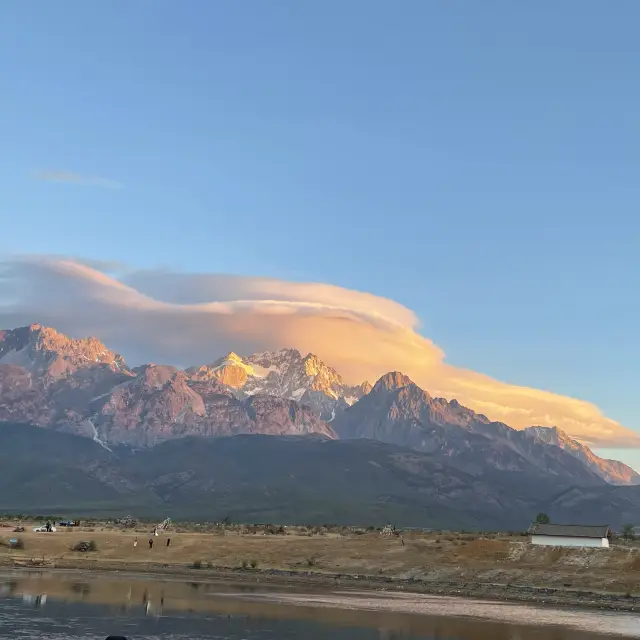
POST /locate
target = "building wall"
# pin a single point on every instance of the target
(565, 541)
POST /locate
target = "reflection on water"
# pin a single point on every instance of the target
(76, 605)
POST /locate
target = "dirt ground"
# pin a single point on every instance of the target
(465, 562)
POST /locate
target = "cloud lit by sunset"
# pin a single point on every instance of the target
(187, 319)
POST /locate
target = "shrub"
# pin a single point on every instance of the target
(254, 564)
(244, 564)
(197, 564)
(312, 561)
(85, 546)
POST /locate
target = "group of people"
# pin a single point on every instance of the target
(135, 542)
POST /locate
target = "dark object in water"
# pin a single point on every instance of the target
(116, 638)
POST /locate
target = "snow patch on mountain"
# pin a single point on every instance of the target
(285, 374)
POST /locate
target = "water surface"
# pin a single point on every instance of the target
(77, 605)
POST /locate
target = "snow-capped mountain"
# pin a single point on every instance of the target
(286, 374)
(79, 386)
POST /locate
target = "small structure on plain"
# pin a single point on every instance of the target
(570, 535)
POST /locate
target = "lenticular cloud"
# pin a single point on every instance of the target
(186, 319)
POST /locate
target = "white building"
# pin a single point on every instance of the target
(570, 535)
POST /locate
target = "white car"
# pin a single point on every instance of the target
(42, 529)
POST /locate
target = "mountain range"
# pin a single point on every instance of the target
(287, 480)
(78, 387)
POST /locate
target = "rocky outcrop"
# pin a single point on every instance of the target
(21, 399)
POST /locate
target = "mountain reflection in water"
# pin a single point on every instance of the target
(78, 605)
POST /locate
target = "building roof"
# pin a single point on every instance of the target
(570, 530)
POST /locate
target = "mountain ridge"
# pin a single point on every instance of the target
(399, 412)
(612, 471)
(80, 386)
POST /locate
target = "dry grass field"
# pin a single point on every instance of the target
(436, 558)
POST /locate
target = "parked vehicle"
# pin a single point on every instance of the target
(44, 529)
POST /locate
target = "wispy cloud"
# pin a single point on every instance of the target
(186, 319)
(71, 177)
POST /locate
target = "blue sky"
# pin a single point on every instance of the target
(476, 161)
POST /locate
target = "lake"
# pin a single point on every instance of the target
(77, 605)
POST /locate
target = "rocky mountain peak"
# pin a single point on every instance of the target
(392, 381)
(552, 435)
(365, 388)
(231, 370)
(313, 365)
(284, 374)
(270, 358)
(42, 349)
(324, 378)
